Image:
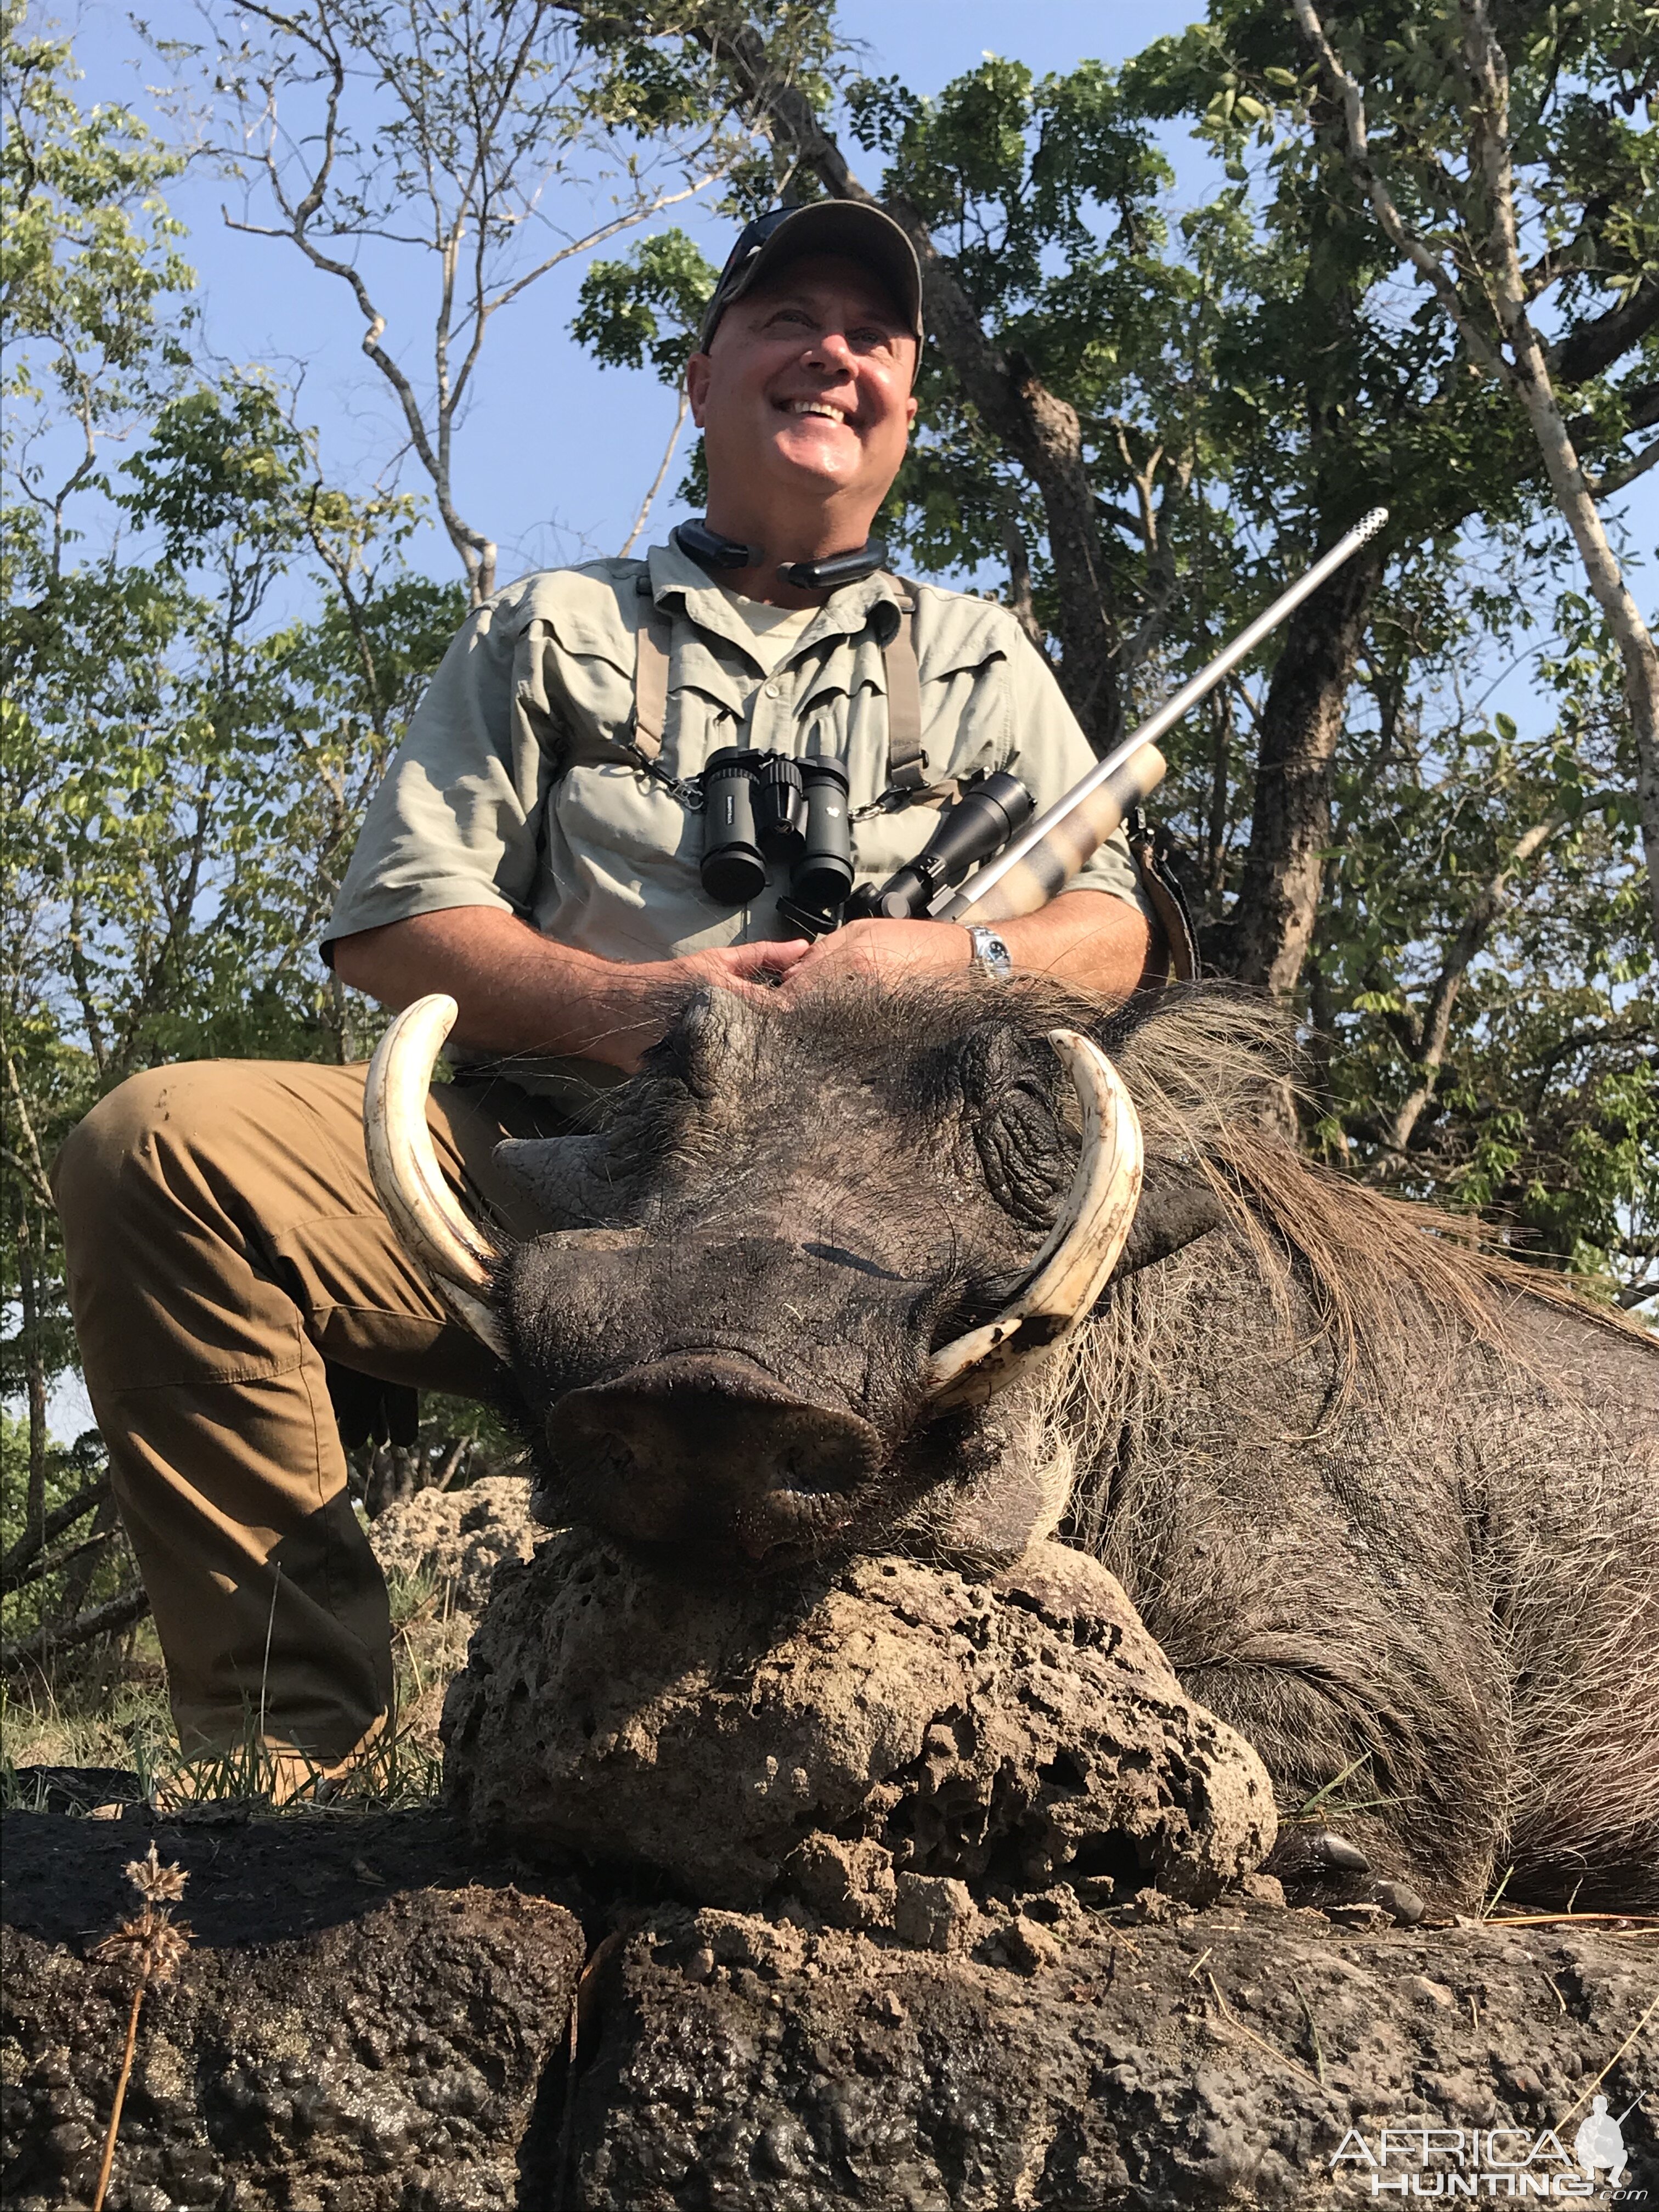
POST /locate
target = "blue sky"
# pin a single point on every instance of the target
(556, 453)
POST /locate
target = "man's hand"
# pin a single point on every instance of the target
(888, 949)
(1088, 937)
(521, 994)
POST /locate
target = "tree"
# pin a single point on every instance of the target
(464, 135)
(1471, 153)
(1359, 838)
(181, 778)
(88, 268)
(1362, 404)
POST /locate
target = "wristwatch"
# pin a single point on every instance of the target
(991, 955)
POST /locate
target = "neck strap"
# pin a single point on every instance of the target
(712, 550)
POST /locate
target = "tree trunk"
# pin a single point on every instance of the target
(1612, 595)
(34, 1497)
(1290, 819)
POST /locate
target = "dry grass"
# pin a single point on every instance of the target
(91, 1722)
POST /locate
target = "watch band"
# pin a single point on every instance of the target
(991, 955)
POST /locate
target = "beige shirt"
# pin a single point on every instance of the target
(484, 804)
(773, 631)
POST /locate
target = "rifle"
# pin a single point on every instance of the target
(1036, 863)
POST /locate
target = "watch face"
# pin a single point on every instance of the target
(990, 953)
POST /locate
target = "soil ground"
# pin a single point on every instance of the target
(369, 2018)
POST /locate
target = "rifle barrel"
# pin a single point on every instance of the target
(952, 906)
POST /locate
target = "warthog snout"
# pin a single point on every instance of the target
(705, 1449)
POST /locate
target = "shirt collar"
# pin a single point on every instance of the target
(675, 576)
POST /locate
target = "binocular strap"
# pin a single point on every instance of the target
(651, 682)
(906, 766)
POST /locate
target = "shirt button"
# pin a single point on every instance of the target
(774, 690)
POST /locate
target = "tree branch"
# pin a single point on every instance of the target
(1404, 240)
(14, 1567)
(1617, 480)
(1589, 347)
(106, 1620)
(647, 503)
(1435, 1027)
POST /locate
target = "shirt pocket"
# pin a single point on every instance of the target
(967, 723)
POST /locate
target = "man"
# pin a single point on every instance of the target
(534, 852)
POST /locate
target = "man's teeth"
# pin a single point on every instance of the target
(817, 407)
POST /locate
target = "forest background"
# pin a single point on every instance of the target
(1195, 307)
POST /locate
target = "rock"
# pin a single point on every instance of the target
(1401, 1901)
(1015, 1731)
(458, 1537)
(332, 2038)
(1023, 1947)
(848, 1885)
(1182, 2072)
(369, 2022)
(1263, 1889)
(1365, 1914)
(934, 1913)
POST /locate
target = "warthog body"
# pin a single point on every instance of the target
(1391, 1513)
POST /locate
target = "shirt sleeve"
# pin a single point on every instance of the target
(454, 822)
(1051, 754)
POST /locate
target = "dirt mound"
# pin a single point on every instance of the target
(903, 1725)
(457, 1537)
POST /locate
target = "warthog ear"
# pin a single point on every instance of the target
(1173, 1213)
(564, 1180)
(714, 1038)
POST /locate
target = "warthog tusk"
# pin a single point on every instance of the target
(425, 1212)
(1083, 1246)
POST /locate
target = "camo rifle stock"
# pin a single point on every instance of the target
(1036, 865)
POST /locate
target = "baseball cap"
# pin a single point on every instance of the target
(854, 228)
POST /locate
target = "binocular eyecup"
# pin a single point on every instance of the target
(989, 811)
(733, 866)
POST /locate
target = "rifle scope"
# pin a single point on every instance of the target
(991, 809)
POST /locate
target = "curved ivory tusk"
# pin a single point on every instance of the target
(425, 1212)
(1083, 1246)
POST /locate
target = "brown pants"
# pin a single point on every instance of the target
(224, 1238)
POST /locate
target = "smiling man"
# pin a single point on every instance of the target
(535, 851)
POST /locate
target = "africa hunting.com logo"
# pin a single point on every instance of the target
(1457, 2163)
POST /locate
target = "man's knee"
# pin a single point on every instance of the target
(119, 1158)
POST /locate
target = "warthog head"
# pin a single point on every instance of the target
(805, 1290)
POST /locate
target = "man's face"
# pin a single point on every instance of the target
(806, 387)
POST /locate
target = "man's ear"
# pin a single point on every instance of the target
(698, 370)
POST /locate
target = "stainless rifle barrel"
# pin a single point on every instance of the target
(953, 904)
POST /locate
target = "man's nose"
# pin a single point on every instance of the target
(832, 350)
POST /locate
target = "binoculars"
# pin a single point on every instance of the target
(762, 810)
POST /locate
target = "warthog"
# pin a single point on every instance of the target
(1390, 1503)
